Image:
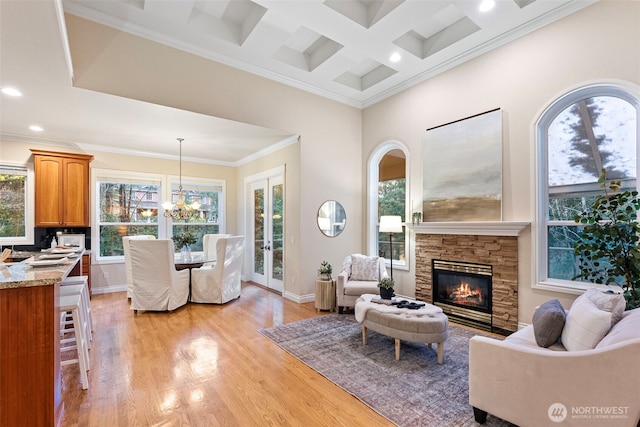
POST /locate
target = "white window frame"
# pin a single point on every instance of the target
(29, 217)
(623, 90)
(165, 225)
(199, 182)
(372, 201)
(126, 176)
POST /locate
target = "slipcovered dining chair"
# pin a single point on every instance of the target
(127, 260)
(156, 283)
(221, 283)
(209, 242)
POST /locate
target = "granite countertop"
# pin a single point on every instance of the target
(23, 275)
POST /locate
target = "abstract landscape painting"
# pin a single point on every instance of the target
(462, 170)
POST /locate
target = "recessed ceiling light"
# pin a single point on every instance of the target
(395, 57)
(36, 128)
(486, 5)
(11, 91)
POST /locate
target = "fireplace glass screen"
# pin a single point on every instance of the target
(462, 284)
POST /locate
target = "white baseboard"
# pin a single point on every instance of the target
(108, 289)
(300, 299)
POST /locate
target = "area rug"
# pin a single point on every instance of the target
(412, 391)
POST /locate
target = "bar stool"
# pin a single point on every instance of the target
(81, 280)
(84, 306)
(72, 304)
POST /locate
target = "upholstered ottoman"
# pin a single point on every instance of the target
(427, 324)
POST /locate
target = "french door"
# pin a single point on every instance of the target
(267, 229)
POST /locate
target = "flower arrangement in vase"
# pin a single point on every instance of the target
(184, 239)
(182, 242)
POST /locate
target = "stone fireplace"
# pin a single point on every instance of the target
(492, 244)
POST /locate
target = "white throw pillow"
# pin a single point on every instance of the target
(608, 301)
(364, 267)
(346, 266)
(586, 325)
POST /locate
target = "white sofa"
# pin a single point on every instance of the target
(360, 275)
(525, 384)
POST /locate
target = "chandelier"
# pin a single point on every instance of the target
(181, 210)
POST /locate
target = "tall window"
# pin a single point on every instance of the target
(16, 212)
(130, 204)
(209, 217)
(125, 207)
(579, 135)
(388, 191)
(392, 188)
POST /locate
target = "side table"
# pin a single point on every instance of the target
(325, 295)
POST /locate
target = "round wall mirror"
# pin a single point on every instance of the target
(331, 218)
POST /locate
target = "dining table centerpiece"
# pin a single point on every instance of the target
(183, 241)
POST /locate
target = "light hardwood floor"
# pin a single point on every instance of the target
(203, 365)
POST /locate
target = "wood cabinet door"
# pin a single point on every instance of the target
(62, 189)
(75, 193)
(48, 186)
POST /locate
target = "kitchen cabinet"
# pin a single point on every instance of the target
(86, 270)
(61, 189)
(31, 376)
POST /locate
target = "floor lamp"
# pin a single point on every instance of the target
(390, 224)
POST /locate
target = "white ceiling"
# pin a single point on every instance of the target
(338, 49)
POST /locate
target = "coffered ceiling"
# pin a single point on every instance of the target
(341, 49)
(338, 49)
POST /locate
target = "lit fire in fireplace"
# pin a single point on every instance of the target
(466, 295)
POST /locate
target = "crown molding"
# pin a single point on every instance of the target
(142, 153)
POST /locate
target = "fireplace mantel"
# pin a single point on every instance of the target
(479, 228)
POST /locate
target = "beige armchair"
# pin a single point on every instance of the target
(221, 283)
(156, 283)
(127, 258)
(360, 275)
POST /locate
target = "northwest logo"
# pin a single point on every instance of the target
(557, 412)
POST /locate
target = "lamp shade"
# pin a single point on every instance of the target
(390, 224)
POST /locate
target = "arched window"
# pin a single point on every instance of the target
(387, 196)
(581, 133)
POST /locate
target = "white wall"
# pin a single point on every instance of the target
(522, 77)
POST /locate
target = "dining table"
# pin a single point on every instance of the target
(191, 262)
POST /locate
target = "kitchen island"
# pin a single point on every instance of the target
(30, 379)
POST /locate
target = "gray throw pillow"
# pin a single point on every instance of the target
(548, 322)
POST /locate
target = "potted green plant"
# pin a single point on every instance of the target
(386, 288)
(182, 242)
(325, 270)
(607, 249)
